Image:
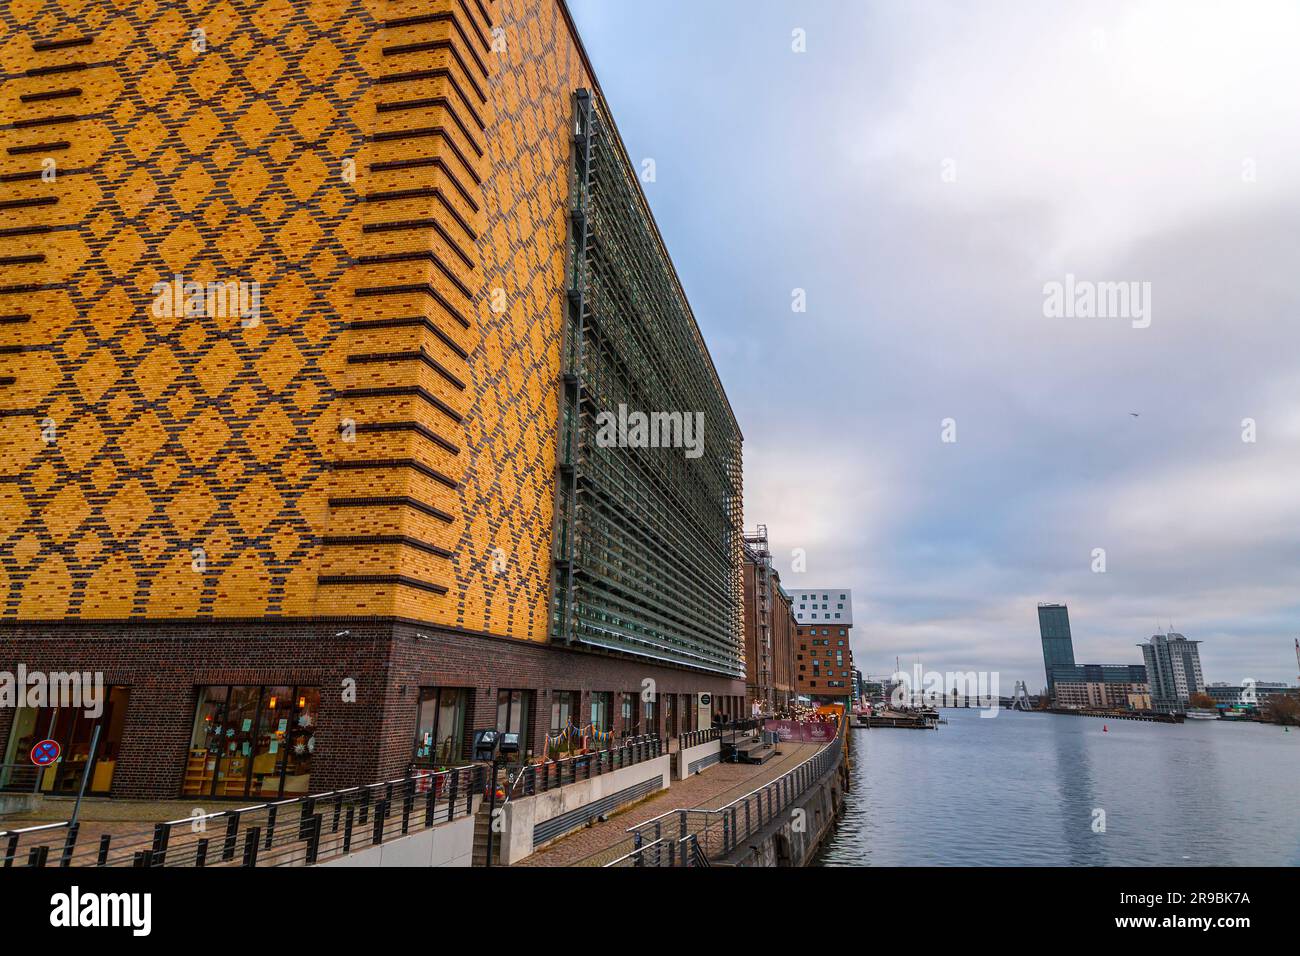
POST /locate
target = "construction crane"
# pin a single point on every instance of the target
(1297, 656)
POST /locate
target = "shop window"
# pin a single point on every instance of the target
(252, 740)
(650, 709)
(602, 705)
(74, 730)
(440, 726)
(631, 716)
(564, 710)
(670, 715)
(514, 711)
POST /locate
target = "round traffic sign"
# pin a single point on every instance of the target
(46, 752)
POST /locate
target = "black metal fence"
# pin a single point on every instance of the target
(298, 832)
(693, 738)
(539, 778)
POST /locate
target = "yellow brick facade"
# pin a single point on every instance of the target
(380, 438)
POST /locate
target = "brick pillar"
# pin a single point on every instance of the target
(583, 717)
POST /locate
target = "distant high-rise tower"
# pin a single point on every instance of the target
(1058, 646)
(1173, 670)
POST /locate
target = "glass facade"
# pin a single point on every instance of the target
(1058, 646)
(252, 741)
(73, 729)
(648, 538)
(440, 726)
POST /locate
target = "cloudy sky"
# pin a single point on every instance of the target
(922, 170)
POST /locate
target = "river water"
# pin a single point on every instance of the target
(1025, 789)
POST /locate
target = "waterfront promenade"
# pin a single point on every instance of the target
(715, 787)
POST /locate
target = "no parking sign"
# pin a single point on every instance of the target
(46, 752)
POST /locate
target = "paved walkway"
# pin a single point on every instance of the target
(715, 787)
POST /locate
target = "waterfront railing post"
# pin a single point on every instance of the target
(250, 846)
(232, 829)
(307, 811)
(69, 842)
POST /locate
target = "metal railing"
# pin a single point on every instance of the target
(301, 831)
(693, 738)
(687, 837)
(541, 777)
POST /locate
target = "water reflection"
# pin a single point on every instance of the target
(1020, 789)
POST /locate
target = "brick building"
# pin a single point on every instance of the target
(769, 630)
(823, 652)
(309, 313)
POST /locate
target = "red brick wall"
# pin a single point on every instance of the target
(359, 742)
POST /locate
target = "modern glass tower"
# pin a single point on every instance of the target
(1058, 646)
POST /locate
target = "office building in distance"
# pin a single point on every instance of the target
(1174, 670)
(1074, 686)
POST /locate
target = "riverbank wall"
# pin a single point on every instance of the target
(795, 836)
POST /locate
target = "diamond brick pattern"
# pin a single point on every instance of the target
(379, 168)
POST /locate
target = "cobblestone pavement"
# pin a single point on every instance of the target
(715, 787)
